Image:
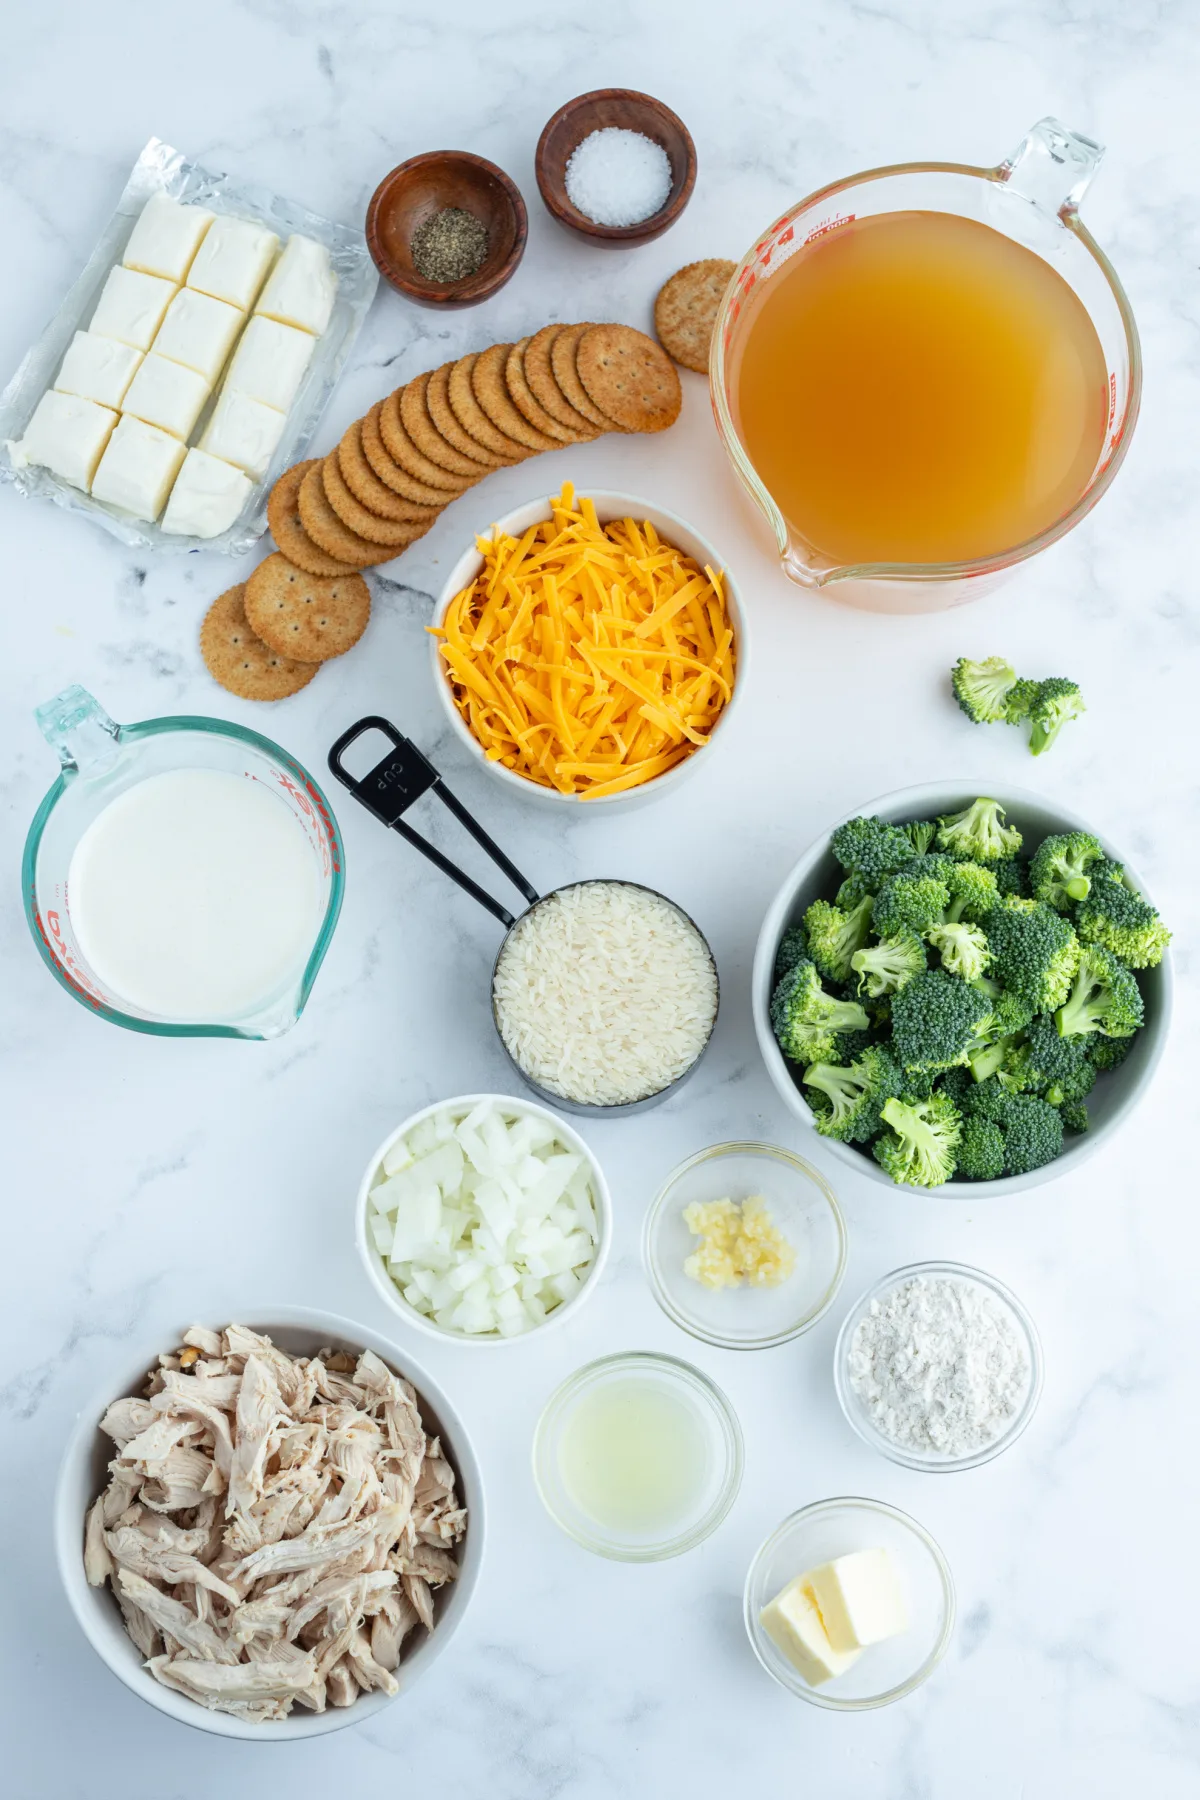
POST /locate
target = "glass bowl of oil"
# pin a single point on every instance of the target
(801, 1207)
(638, 1457)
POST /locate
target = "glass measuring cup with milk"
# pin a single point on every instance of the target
(183, 876)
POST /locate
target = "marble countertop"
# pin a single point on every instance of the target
(149, 1182)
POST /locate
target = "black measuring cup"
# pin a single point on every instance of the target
(396, 783)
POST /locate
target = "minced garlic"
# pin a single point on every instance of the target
(738, 1242)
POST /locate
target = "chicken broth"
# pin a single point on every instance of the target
(634, 1455)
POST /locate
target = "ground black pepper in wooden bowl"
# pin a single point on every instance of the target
(450, 245)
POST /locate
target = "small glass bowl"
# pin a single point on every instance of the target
(723, 1475)
(855, 1411)
(801, 1204)
(829, 1528)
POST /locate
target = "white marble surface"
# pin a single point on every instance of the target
(149, 1182)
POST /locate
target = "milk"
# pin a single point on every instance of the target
(195, 895)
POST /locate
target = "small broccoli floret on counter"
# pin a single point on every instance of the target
(1019, 702)
(805, 1019)
(871, 848)
(981, 1150)
(1034, 951)
(962, 948)
(934, 1020)
(922, 832)
(853, 1095)
(978, 833)
(1113, 915)
(834, 935)
(1074, 1116)
(793, 948)
(982, 688)
(884, 968)
(1056, 702)
(1104, 998)
(919, 1147)
(1033, 1133)
(909, 903)
(1058, 874)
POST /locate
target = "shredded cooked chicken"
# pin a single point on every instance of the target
(273, 1526)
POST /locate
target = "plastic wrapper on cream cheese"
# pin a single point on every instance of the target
(162, 170)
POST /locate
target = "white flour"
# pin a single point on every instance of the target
(940, 1365)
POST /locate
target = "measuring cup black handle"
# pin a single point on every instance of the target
(396, 783)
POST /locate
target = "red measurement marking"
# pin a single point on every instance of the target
(830, 225)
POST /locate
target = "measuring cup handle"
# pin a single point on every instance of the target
(80, 730)
(396, 783)
(1052, 166)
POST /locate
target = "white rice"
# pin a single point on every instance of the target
(605, 993)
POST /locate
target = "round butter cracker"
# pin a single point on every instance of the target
(629, 377)
(240, 661)
(516, 378)
(329, 533)
(395, 533)
(283, 517)
(418, 422)
(472, 417)
(491, 391)
(305, 616)
(367, 488)
(389, 470)
(402, 450)
(686, 310)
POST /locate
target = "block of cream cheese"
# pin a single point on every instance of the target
(199, 332)
(166, 237)
(232, 262)
(137, 469)
(243, 431)
(68, 435)
(167, 394)
(794, 1626)
(270, 361)
(860, 1599)
(98, 368)
(207, 497)
(302, 287)
(131, 307)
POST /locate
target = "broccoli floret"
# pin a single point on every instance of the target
(919, 1149)
(962, 948)
(855, 1095)
(1011, 877)
(805, 1018)
(1058, 873)
(934, 1020)
(1113, 915)
(956, 1084)
(1034, 951)
(1009, 1012)
(982, 688)
(852, 890)
(1018, 1073)
(793, 948)
(1107, 1053)
(1105, 998)
(1056, 1058)
(1019, 702)
(871, 848)
(1074, 1115)
(909, 903)
(917, 1085)
(1072, 1088)
(834, 935)
(987, 1101)
(973, 891)
(1055, 703)
(922, 832)
(996, 1056)
(978, 833)
(1033, 1133)
(981, 1150)
(884, 968)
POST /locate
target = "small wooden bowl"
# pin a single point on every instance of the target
(422, 186)
(628, 111)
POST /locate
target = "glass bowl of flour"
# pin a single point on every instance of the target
(938, 1366)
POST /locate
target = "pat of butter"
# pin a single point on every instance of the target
(794, 1626)
(131, 307)
(243, 431)
(232, 262)
(98, 368)
(207, 497)
(167, 394)
(137, 469)
(302, 287)
(199, 332)
(166, 237)
(67, 435)
(860, 1599)
(270, 361)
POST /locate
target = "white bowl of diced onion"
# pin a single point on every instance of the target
(483, 1219)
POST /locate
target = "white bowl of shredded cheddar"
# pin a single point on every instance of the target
(589, 649)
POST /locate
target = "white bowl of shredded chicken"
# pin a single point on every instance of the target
(269, 1530)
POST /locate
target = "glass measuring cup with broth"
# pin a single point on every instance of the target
(927, 373)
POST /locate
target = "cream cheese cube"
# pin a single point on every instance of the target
(207, 497)
(860, 1599)
(137, 469)
(270, 361)
(98, 368)
(302, 287)
(131, 307)
(243, 431)
(198, 332)
(167, 394)
(794, 1625)
(67, 435)
(232, 262)
(166, 237)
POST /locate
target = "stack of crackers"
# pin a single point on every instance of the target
(395, 470)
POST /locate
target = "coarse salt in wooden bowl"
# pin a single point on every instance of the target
(423, 186)
(626, 110)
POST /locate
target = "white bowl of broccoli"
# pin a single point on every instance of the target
(942, 1028)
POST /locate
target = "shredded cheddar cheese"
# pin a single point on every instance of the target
(589, 658)
(737, 1243)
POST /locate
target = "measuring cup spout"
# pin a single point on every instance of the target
(1052, 166)
(76, 725)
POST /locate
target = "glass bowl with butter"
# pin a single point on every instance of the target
(849, 1604)
(745, 1246)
